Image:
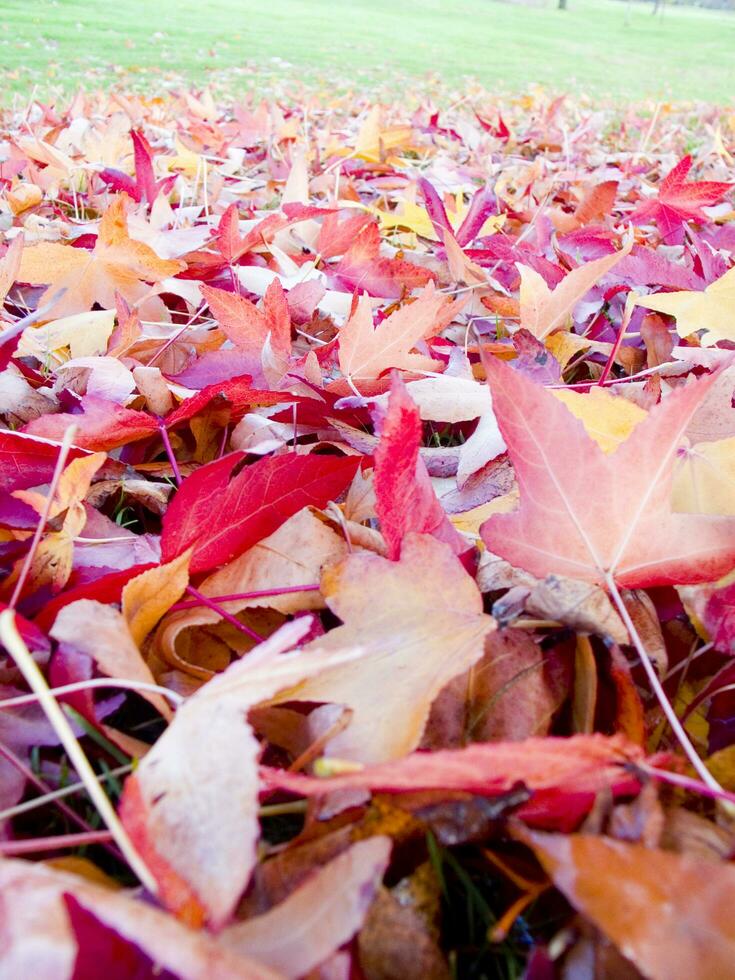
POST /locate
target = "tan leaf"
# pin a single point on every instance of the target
(294, 555)
(510, 694)
(319, 916)
(191, 807)
(101, 632)
(581, 605)
(366, 351)
(117, 264)
(38, 939)
(420, 622)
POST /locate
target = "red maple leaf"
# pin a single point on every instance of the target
(405, 498)
(679, 201)
(144, 187)
(222, 517)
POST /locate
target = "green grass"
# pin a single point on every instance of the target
(598, 47)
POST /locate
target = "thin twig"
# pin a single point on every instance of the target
(666, 706)
(232, 620)
(685, 782)
(13, 847)
(43, 788)
(241, 596)
(169, 452)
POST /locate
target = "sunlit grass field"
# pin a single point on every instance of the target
(597, 47)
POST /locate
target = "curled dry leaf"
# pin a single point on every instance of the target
(148, 596)
(293, 555)
(399, 936)
(577, 604)
(103, 634)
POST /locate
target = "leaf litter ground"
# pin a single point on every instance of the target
(367, 533)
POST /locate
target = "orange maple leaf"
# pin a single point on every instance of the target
(117, 263)
(366, 351)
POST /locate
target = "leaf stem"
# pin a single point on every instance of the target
(56, 795)
(204, 600)
(175, 698)
(169, 452)
(13, 642)
(239, 596)
(685, 782)
(666, 706)
(43, 788)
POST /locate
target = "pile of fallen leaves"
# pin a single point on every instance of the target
(367, 540)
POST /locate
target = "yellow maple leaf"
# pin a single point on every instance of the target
(118, 263)
(711, 310)
(84, 334)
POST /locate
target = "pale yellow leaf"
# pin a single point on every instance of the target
(704, 479)
(607, 418)
(712, 310)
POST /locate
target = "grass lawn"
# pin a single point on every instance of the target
(597, 47)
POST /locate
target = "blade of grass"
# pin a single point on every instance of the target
(13, 642)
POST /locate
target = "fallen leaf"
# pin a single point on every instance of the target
(544, 310)
(366, 351)
(678, 201)
(221, 517)
(192, 814)
(710, 310)
(609, 419)
(293, 555)
(581, 763)
(321, 915)
(580, 605)
(101, 632)
(117, 264)
(148, 597)
(670, 916)
(510, 694)
(38, 938)
(405, 498)
(606, 515)
(420, 623)
(247, 326)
